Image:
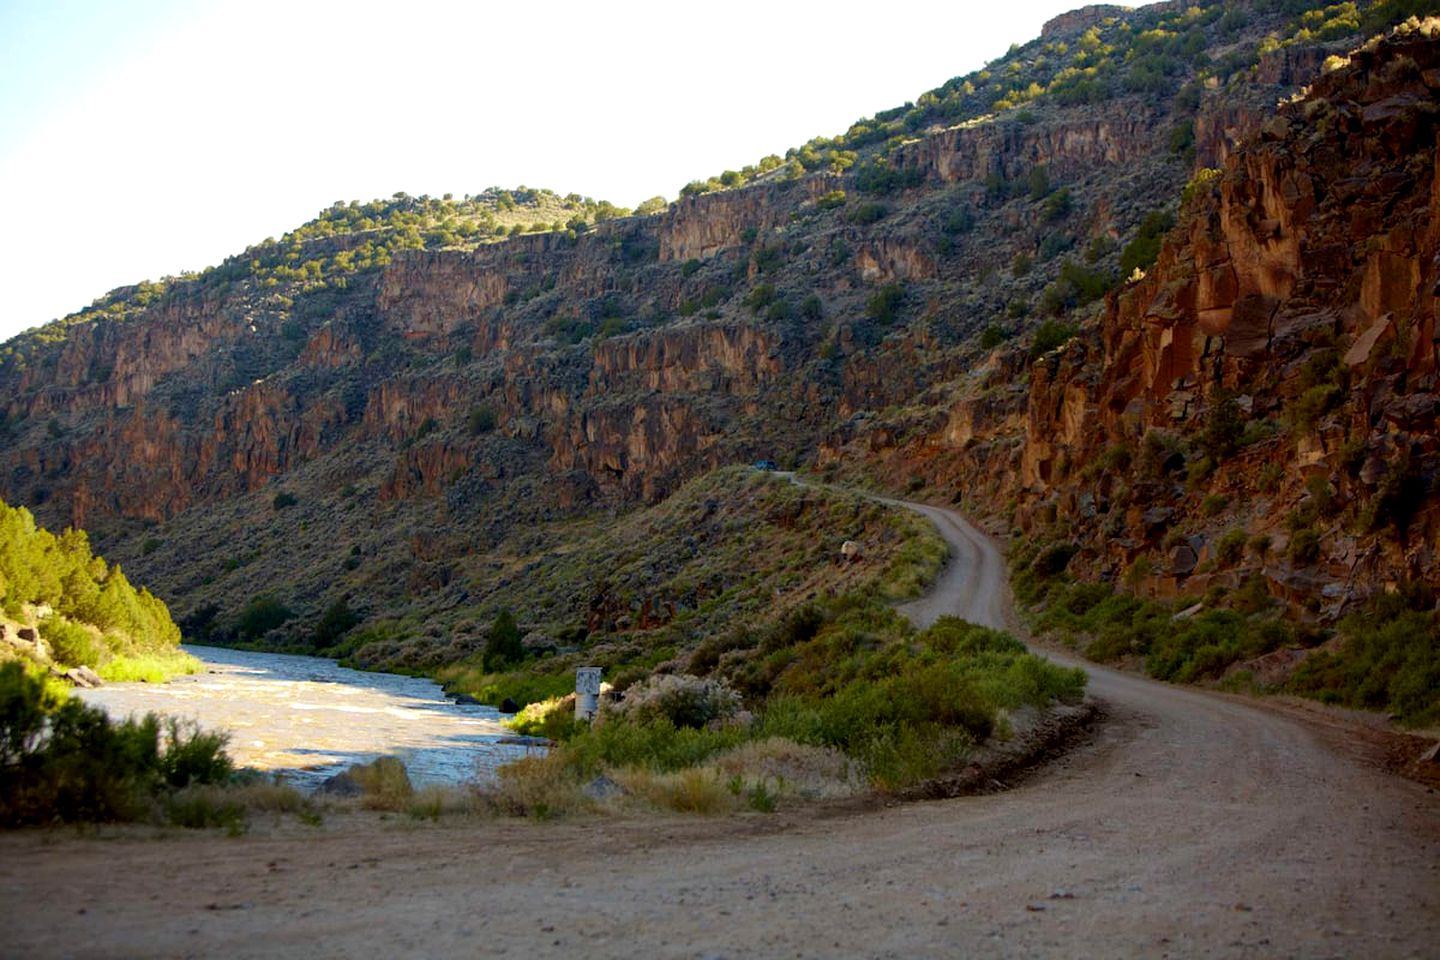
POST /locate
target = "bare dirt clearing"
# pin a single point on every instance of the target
(1191, 825)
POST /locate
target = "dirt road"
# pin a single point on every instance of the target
(1194, 826)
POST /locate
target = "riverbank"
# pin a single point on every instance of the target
(310, 718)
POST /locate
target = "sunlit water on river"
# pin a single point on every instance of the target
(312, 718)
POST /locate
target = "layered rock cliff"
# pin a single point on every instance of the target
(403, 432)
(1270, 381)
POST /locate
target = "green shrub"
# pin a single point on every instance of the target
(66, 761)
(885, 303)
(1058, 206)
(204, 808)
(1224, 426)
(261, 615)
(1051, 335)
(502, 644)
(283, 500)
(866, 213)
(1038, 181)
(1304, 548)
(481, 419)
(877, 176)
(1388, 659)
(657, 745)
(384, 783)
(1054, 244)
(761, 295)
(553, 718)
(73, 644)
(684, 701)
(335, 622)
(959, 220)
(192, 756)
(1145, 248)
(1231, 546)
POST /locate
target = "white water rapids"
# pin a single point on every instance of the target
(312, 718)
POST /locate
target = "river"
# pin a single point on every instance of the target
(312, 718)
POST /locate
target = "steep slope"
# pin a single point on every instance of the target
(1250, 426)
(444, 397)
(1282, 354)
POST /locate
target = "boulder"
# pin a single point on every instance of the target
(602, 788)
(84, 677)
(465, 699)
(509, 706)
(340, 785)
(1183, 561)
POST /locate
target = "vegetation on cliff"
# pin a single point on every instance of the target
(345, 240)
(1164, 51)
(1385, 656)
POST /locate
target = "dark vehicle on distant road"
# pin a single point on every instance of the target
(765, 465)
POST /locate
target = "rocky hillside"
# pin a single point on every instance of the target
(1276, 372)
(1263, 400)
(368, 406)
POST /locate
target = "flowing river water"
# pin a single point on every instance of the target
(312, 718)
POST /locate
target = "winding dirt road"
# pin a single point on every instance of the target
(1193, 825)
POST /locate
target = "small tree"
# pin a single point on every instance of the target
(481, 419)
(260, 616)
(334, 623)
(1039, 182)
(502, 644)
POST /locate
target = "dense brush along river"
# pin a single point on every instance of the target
(312, 718)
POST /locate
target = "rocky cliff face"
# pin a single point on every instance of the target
(1287, 334)
(429, 414)
(1072, 147)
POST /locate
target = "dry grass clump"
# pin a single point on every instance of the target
(436, 801)
(787, 768)
(699, 790)
(538, 787)
(230, 806)
(384, 784)
(268, 797)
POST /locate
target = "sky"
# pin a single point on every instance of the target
(143, 138)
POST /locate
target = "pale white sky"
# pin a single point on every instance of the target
(147, 137)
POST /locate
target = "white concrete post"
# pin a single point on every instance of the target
(587, 692)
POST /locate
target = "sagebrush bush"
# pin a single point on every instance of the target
(681, 699)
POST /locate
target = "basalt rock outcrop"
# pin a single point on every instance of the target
(1288, 333)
